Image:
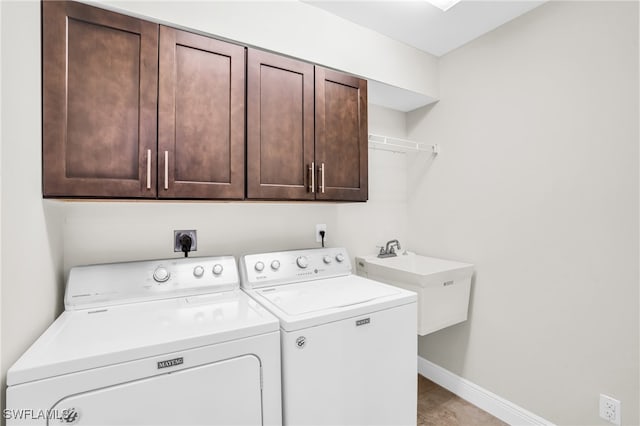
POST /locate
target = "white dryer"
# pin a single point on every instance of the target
(349, 344)
(164, 342)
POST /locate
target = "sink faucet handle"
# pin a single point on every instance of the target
(392, 243)
(382, 250)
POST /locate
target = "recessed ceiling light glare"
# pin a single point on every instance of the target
(444, 4)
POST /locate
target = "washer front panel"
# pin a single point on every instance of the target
(193, 396)
(154, 374)
(359, 371)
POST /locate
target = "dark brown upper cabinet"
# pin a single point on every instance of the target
(280, 132)
(100, 73)
(132, 109)
(201, 117)
(341, 152)
(115, 124)
(285, 158)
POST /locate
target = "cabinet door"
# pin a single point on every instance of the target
(201, 117)
(99, 102)
(341, 136)
(279, 127)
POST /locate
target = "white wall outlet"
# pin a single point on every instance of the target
(610, 409)
(321, 227)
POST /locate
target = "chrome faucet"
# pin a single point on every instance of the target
(390, 249)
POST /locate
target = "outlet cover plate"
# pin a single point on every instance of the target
(176, 239)
(610, 409)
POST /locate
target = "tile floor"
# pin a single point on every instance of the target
(439, 407)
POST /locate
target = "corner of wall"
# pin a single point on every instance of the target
(30, 227)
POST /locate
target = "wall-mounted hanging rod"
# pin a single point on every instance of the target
(401, 145)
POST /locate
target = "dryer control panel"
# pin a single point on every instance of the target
(119, 283)
(287, 267)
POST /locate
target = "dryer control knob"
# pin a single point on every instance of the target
(275, 265)
(259, 266)
(327, 259)
(340, 257)
(217, 269)
(161, 274)
(198, 271)
(302, 261)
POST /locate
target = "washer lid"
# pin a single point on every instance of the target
(318, 302)
(92, 338)
(305, 298)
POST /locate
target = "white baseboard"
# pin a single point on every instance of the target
(491, 403)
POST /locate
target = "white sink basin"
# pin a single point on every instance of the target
(443, 286)
(414, 268)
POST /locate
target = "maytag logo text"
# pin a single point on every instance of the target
(170, 362)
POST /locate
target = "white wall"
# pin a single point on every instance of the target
(362, 227)
(31, 245)
(302, 31)
(537, 184)
(1, 369)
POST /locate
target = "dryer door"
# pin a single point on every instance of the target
(221, 393)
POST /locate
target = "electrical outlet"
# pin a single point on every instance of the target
(177, 247)
(321, 227)
(610, 409)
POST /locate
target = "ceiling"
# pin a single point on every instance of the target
(424, 26)
(419, 24)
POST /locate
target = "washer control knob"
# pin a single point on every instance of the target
(161, 274)
(217, 269)
(340, 257)
(327, 259)
(259, 266)
(198, 271)
(275, 265)
(302, 261)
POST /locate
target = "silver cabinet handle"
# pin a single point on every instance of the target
(148, 169)
(166, 170)
(312, 172)
(322, 177)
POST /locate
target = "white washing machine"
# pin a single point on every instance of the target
(349, 344)
(163, 342)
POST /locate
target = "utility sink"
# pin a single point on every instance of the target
(443, 286)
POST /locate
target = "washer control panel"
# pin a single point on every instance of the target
(127, 282)
(286, 267)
